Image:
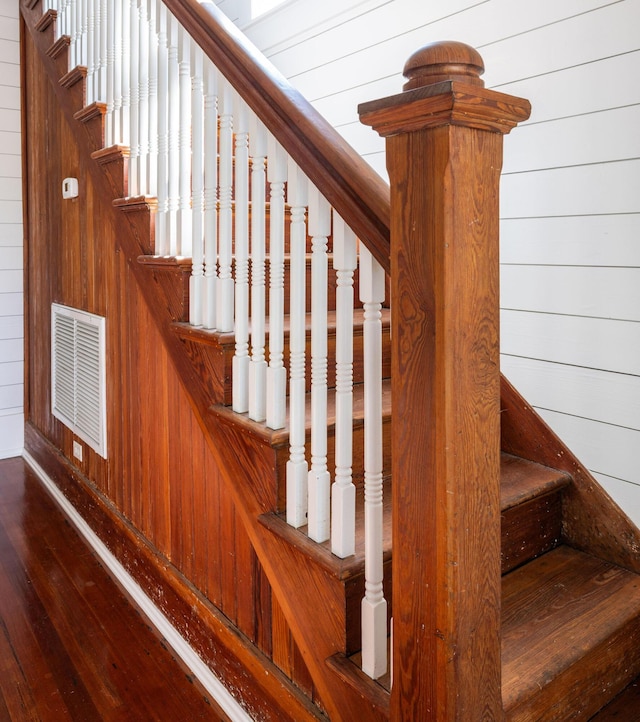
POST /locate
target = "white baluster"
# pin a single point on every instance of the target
(224, 286)
(72, 31)
(276, 373)
(240, 397)
(210, 195)
(90, 15)
(197, 187)
(143, 98)
(163, 245)
(258, 364)
(134, 100)
(125, 116)
(184, 205)
(117, 132)
(297, 467)
(110, 22)
(152, 162)
(374, 605)
(82, 32)
(319, 480)
(343, 496)
(101, 86)
(173, 152)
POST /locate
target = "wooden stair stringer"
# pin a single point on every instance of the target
(296, 598)
(592, 521)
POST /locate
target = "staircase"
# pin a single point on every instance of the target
(568, 608)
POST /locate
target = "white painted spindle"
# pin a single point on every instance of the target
(117, 132)
(152, 156)
(101, 86)
(110, 21)
(184, 142)
(173, 132)
(240, 367)
(210, 195)
(258, 364)
(297, 467)
(276, 372)
(143, 98)
(224, 286)
(343, 495)
(197, 187)
(90, 16)
(134, 99)
(319, 479)
(163, 246)
(374, 605)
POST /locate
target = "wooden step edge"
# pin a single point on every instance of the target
(623, 708)
(134, 204)
(522, 480)
(48, 18)
(112, 154)
(89, 112)
(59, 47)
(279, 437)
(206, 336)
(369, 689)
(570, 635)
(75, 75)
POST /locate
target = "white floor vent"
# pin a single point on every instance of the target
(78, 376)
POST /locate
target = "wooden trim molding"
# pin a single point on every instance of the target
(226, 663)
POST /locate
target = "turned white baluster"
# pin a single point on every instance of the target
(117, 132)
(163, 246)
(152, 156)
(184, 204)
(374, 605)
(101, 70)
(173, 121)
(134, 99)
(210, 195)
(319, 479)
(72, 32)
(297, 467)
(258, 364)
(110, 22)
(197, 187)
(276, 372)
(89, 31)
(224, 286)
(343, 495)
(143, 98)
(240, 398)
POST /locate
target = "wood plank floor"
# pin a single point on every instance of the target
(72, 647)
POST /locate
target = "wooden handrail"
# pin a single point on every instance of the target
(350, 185)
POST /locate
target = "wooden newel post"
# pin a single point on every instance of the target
(444, 155)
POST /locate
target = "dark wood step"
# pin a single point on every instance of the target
(624, 708)
(531, 505)
(570, 636)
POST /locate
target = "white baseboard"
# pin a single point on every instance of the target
(164, 627)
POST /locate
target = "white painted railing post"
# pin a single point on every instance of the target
(152, 157)
(225, 299)
(240, 366)
(143, 98)
(276, 373)
(110, 22)
(196, 282)
(343, 496)
(374, 605)
(117, 134)
(319, 479)
(184, 143)
(173, 134)
(210, 195)
(163, 246)
(258, 364)
(297, 467)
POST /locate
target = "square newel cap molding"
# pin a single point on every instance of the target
(444, 88)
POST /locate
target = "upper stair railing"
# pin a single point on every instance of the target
(245, 174)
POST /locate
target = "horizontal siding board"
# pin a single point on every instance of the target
(571, 240)
(11, 373)
(9, 95)
(9, 144)
(9, 8)
(10, 257)
(11, 327)
(9, 28)
(10, 166)
(602, 448)
(11, 281)
(10, 52)
(9, 118)
(611, 398)
(11, 304)
(582, 291)
(11, 433)
(11, 211)
(586, 139)
(10, 233)
(11, 396)
(10, 74)
(10, 189)
(625, 494)
(11, 350)
(580, 190)
(573, 340)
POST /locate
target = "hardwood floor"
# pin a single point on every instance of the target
(72, 647)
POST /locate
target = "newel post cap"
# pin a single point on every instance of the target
(442, 61)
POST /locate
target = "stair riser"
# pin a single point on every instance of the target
(530, 529)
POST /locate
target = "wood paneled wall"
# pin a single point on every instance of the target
(569, 202)
(11, 286)
(159, 473)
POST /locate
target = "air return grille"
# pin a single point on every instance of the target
(78, 374)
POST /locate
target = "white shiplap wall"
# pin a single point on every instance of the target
(11, 297)
(570, 192)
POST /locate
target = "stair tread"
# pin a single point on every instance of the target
(558, 609)
(522, 480)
